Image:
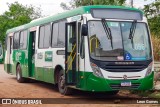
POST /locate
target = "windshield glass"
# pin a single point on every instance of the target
(120, 46)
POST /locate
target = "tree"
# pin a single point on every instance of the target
(152, 12)
(76, 3)
(17, 14)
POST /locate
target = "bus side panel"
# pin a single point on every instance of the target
(23, 62)
(1, 54)
(48, 69)
(39, 73)
(8, 55)
(48, 75)
(15, 60)
(6, 62)
(43, 69)
(43, 62)
(20, 57)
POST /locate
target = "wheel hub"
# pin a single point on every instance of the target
(18, 76)
(62, 82)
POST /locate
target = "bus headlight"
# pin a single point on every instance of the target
(149, 69)
(96, 70)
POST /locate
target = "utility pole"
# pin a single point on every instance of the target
(131, 3)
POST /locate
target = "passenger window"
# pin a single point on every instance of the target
(55, 35)
(61, 37)
(41, 36)
(16, 41)
(23, 39)
(58, 34)
(44, 36)
(47, 36)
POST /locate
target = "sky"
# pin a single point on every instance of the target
(50, 7)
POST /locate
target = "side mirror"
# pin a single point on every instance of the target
(84, 31)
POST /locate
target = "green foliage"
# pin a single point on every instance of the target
(98, 2)
(152, 12)
(17, 14)
(77, 3)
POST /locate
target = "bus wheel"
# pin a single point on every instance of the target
(19, 77)
(63, 89)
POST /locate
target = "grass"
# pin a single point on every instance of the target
(156, 47)
(142, 93)
(147, 94)
(154, 95)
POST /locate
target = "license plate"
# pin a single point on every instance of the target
(126, 84)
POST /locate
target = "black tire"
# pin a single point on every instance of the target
(19, 77)
(63, 89)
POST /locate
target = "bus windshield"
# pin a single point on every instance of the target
(121, 45)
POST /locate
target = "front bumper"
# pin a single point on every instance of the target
(97, 84)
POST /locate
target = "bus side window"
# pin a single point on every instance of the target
(11, 45)
(44, 36)
(55, 35)
(16, 41)
(6, 41)
(58, 34)
(61, 36)
(33, 40)
(23, 39)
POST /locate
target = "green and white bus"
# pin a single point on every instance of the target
(92, 48)
(1, 53)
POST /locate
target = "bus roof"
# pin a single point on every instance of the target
(70, 13)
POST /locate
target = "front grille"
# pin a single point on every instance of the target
(118, 86)
(124, 68)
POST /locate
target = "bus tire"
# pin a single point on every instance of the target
(19, 77)
(63, 89)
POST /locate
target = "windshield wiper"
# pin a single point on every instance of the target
(107, 31)
(132, 31)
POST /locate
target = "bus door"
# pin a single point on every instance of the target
(9, 52)
(71, 69)
(31, 55)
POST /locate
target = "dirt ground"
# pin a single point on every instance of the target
(10, 88)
